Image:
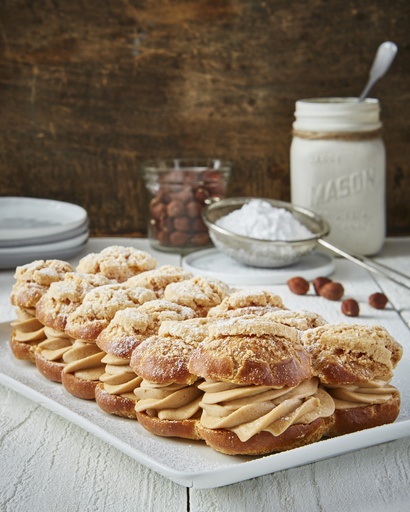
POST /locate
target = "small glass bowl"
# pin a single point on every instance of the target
(255, 252)
(179, 188)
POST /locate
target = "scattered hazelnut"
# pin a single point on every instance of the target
(298, 285)
(350, 307)
(318, 282)
(332, 291)
(378, 300)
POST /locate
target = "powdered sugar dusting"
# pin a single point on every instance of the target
(259, 219)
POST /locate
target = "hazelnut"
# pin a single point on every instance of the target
(332, 291)
(200, 239)
(350, 307)
(378, 300)
(178, 239)
(175, 208)
(318, 282)
(201, 194)
(182, 224)
(193, 209)
(298, 285)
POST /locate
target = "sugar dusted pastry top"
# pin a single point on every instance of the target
(251, 351)
(351, 353)
(159, 278)
(131, 326)
(34, 279)
(301, 320)
(199, 293)
(117, 262)
(99, 307)
(127, 330)
(245, 302)
(64, 296)
(163, 358)
(161, 310)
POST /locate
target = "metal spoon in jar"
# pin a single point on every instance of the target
(382, 61)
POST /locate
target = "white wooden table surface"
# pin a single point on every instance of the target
(50, 464)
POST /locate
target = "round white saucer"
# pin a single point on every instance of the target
(11, 257)
(213, 263)
(29, 218)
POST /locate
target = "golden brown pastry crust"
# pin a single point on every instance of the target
(117, 262)
(300, 320)
(34, 279)
(199, 293)
(21, 350)
(99, 307)
(251, 351)
(351, 353)
(80, 388)
(164, 358)
(361, 418)
(63, 297)
(51, 370)
(226, 441)
(158, 279)
(114, 404)
(246, 302)
(186, 429)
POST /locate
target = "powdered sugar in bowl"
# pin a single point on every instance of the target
(263, 232)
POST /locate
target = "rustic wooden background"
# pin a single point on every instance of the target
(88, 90)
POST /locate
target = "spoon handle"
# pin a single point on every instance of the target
(382, 61)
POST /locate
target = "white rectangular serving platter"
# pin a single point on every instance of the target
(188, 463)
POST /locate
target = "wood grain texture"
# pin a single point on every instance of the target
(88, 90)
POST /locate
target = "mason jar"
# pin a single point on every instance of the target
(338, 169)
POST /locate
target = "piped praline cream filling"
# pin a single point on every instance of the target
(248, 410)
(377, 391)
(84, 360)
(119, 378)
(56, 344)
(170, 401)
(26, 328)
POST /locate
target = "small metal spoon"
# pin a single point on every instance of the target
(382, 61)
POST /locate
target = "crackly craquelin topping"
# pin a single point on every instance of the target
(361, 352)
(100, 306)
(64, 296)
(301, 320)
(117, 262)
(34, 279)
(169, 402)
(351, 396)
(245, 302)
(248, 410)
(163, 358)
(198, 293)
(251, 351)
(158, 279)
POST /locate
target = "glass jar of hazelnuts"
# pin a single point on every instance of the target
(178, 190)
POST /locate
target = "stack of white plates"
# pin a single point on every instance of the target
(32, 229)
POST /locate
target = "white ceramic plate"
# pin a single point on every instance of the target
(10, 257)
(213, 263)
(58, 237)
(188, 463)
(27, 218)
